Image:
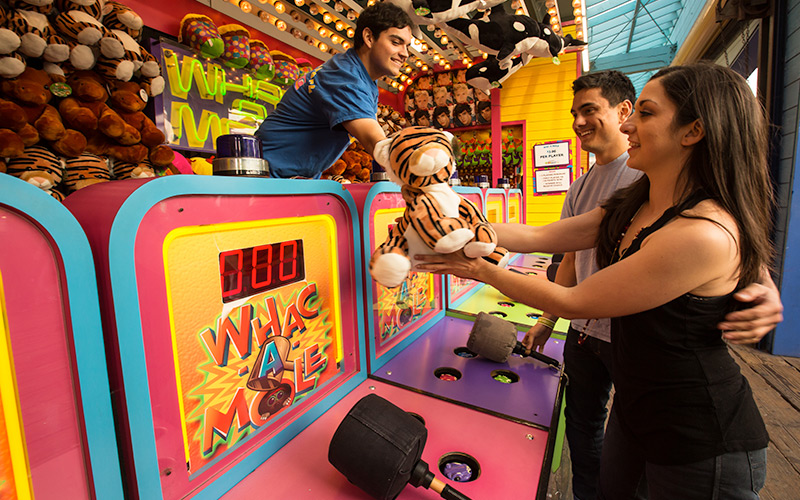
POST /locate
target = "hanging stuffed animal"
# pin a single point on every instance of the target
(440, 11)
(488, 75)
(237, 45)
(200, 33)
(261, 61)
(508, 35)
(436, 218)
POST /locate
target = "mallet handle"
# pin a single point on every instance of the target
(520, 349)
(445, 491)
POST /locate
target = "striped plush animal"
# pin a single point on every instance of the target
(40, 167)
(436, 218)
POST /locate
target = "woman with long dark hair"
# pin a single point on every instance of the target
(674, 246)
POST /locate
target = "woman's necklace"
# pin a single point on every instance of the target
(622, 235)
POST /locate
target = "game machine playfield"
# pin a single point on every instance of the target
(416, 343)
(56, 423)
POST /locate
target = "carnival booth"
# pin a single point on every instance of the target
(208, 330)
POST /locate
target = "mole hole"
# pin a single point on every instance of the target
(505, 376)
(464, 352)
(459, 467)
(447, 374)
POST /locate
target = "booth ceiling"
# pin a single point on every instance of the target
(634, 36)
(638, 37)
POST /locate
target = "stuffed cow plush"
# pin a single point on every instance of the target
(508, 35)
(436, 218)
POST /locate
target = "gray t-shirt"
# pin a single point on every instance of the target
(584, 195)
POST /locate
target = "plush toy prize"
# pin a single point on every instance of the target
(508, 35)
(488, 75)
(436, 218)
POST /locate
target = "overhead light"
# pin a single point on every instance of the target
(280, 24)
(246, 6)
(279, 7)
(327, 18)
(323, 47)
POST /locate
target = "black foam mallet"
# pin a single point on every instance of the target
(496, 339)
(378, 448)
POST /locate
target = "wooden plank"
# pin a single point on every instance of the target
(781, 418)
(782, 479)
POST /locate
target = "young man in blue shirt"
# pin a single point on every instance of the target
(311, 126)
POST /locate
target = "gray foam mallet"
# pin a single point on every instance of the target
(496, 339)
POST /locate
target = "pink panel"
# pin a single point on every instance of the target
(510, 454)
(35, 304)
(186, 211)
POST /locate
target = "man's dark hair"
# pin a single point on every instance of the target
(614, 86)
(482, 105)
(379, 18)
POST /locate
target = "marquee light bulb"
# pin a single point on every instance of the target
(279, 7)
(327, 18)
(246, 6)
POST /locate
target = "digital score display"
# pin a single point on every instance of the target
(248, 271)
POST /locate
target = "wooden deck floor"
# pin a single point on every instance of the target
(776, 386)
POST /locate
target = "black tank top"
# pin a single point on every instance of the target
(678, 390)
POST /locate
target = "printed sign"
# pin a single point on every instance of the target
(551, 154)
(551, 180)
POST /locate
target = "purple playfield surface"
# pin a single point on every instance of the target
(530, 399)
(511, 455)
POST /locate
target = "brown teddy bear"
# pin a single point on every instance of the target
(32, 91)
(87, 110)
(15, 132)
(128, 100)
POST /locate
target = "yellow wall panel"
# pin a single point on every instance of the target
(540, 94)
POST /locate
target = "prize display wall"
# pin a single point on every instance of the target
(240, 326)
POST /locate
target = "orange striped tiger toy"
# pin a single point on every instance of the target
(436, 218)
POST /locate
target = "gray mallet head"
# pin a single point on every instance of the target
(492, 337)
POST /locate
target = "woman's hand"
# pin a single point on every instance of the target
(455, 263)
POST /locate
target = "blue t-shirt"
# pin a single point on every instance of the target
(304, 135)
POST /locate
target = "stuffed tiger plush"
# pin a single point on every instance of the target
(38, 166)
(421, 161)
(85, 170)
